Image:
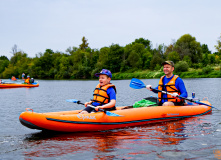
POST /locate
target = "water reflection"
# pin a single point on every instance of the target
(128, 140)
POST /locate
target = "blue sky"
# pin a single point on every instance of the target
(37, 25)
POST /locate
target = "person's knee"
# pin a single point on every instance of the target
(83, 112)
(168, 104)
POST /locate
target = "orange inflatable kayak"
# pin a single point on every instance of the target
(17, 85)
(71, 121)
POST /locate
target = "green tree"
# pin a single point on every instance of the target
(217, 59)
(205, 49)
(218, 46)
(19, 64)
(84, 44)
(212, 59)
(115, 58)
(207, 69)
(158, 57)
(4, 58)
(205, 59)
(181, 66)
(103, 59)
(4, 62)
(71, 50)
(82, 61)
(18, 56)
(145, 42)
(10, 71)
(187, 45)
(147, 57)
(169, 49)
(94, 57)
(173, 56)
(43, 64)
(125, 65)
(188, 60)
(156, 61)
(135, 60)
(205, 52)
(136, 55)
(64, 67)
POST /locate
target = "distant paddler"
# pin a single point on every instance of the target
(13, 78)
(29, 80)
(23, 76)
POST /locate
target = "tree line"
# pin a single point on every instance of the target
(83, 62)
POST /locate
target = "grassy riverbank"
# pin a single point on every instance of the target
(214, 72)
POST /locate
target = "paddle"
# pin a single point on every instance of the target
(106, 112)
(138, 84)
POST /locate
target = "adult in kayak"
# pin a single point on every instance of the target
(172, 84)
(29, 80)
(104, 96)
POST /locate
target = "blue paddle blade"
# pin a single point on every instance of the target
(72, 100)
(137, 84)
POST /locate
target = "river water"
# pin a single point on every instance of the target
(191, 138)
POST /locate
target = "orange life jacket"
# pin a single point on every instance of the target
(27, 80)
(100, 94)
(170, 87)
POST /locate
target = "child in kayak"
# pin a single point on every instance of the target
(104, 96)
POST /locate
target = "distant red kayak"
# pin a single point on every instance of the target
(16, 85)
(14, 79)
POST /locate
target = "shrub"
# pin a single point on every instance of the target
(181, 66)
(207, 69)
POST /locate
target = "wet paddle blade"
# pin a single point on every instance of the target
(72, 100)
(137, 84)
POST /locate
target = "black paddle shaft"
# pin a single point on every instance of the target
(79, 102)
(171, 94)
